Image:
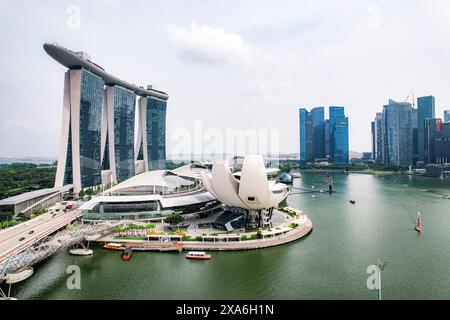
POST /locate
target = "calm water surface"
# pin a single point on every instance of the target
(329, 264)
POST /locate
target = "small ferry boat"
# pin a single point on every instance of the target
(193, 255)
(114, 246)
(127, 254)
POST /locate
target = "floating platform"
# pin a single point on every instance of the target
(16, 277)
(81, 252)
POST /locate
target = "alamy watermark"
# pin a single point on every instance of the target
(213, 141)
(73, 20)
(74, 280)
(374, 17)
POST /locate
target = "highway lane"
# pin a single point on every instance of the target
(41, 227)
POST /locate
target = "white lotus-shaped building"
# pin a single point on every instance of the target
(252, 191)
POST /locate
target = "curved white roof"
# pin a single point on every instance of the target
(155, 178)
(253, 191)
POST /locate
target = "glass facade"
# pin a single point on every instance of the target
(339, 144)
(446, 116)
(68, 176)
(156, 133)
(91, 104)
(397, 134)
(379, 137)
(124, 117)
(426, 110)
(303, 123)
(318, 124)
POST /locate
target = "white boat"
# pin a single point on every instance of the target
(81, 252)
(193, 255)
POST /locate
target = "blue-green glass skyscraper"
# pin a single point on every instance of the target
(320, 138)
(318, 127)
(156, 133)
(303, 115)
(339, 142)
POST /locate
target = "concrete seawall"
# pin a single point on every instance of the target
(294, 235)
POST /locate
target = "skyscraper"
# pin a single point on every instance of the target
(433, 130)
(426, 110)
(97, 132)
(320, 138)
(306, 135)
(379, 137)
(151, 143)
(373, 136)
(446, 115)
(118, 134)
(327, 138)
(318, 125)
(339, 144)
(79, 160)
(397, 134)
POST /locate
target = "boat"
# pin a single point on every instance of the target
(352, 201)
(194, 255)
(114, 246)
(419, 224)
(81, 252)
(127, 254)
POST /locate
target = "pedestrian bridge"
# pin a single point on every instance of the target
(44, 244)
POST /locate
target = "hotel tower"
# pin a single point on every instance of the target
(97, 142)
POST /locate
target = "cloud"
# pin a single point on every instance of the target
(211, 46)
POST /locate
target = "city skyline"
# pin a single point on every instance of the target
(403, 135)
(324, 139)
(266, 65)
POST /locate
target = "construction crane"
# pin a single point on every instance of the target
(409, 95)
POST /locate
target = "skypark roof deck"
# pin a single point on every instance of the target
(73, 60)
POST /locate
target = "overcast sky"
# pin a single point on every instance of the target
(230, 64)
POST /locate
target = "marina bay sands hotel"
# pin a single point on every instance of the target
(97, 143)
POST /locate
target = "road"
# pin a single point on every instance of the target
(33, 230)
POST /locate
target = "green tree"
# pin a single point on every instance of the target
(5, 215)
(81, 194)
(174, 219)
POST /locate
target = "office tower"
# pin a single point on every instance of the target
(433, 130)
(415, 135)
(151, 139)
(397, 134)
(306, 135)
(426, 110)
(373, 136)
(446, 116)
(339, 144)
(118, 134)
(97, 132)
(320, 138)
(379, 137)
(327, 138)
(318, 126)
